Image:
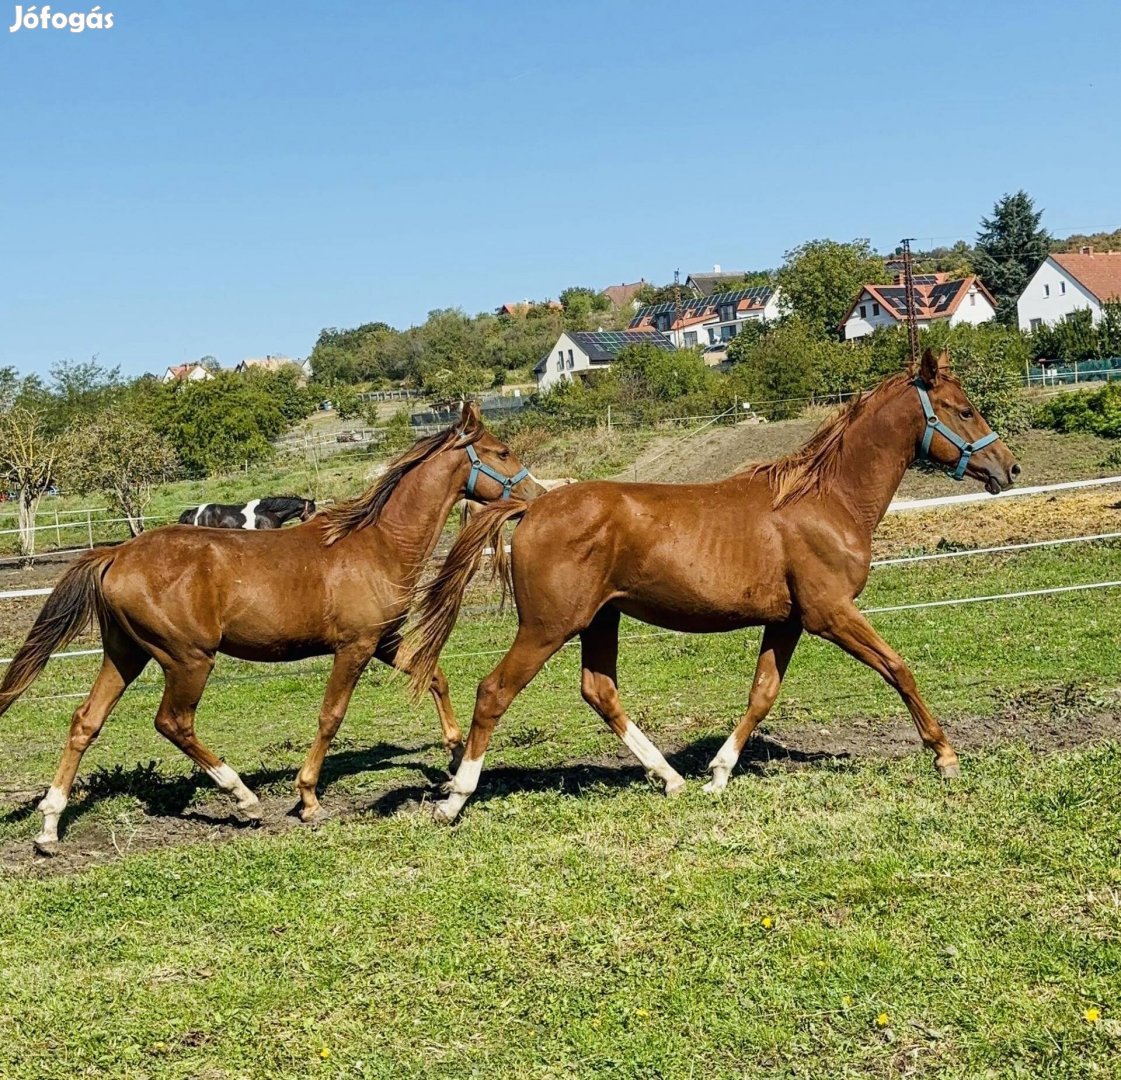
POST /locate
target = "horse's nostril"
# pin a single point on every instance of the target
(1014, 471)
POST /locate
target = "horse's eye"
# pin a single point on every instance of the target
(967, 414)
(504, 454)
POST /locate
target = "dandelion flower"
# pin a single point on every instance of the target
(1092, 1015)
(846, 1000)
(642, 1014)
(324, 1053)
(881, 1020)
(768, 922)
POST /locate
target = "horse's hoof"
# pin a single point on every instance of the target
(47, 848)
(446, 787)
(312, 815)
(714, 786)
(441, 814)
(949, 772)
(675, 787)
(253, 812)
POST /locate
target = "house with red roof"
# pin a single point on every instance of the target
(1067, 282)
(186, 373)
(709, 321)
(965, 300)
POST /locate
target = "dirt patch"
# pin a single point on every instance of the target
(1044, 721)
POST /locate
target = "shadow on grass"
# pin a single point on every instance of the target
(169, 796)
(573, 780)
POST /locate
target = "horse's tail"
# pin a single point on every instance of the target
(437, 602)
(74, 602)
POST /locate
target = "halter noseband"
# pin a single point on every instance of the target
(965, 449)
(478, 466)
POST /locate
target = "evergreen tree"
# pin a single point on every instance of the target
(1010, 247)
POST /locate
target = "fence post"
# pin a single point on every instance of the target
(608, 417)
(57, 529)
(89, 526)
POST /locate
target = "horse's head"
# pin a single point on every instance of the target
(491, 470)
(955, 435)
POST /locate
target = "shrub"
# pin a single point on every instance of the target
(1096, 413)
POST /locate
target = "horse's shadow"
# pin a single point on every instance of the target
(174, 796)
(573, 780)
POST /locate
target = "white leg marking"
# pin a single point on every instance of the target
(228, 780)
(651, 758)
(250, 512)
(722, 765)
(462, 788)
(54, 802)
(198, 514)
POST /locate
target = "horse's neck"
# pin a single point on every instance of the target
(876, 452)
(416, 511)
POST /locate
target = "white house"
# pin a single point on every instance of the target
(709, 320)
(1069, 282)
(578, 353)
(963, 301)
(186, 373)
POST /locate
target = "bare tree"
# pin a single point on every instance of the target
(29, 456)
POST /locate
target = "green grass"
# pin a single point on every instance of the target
(575, 923)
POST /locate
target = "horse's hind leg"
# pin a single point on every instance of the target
(184, 682)
(524, 660)
(779, 642)
(124, 660)
(345, 673)
(599, 653)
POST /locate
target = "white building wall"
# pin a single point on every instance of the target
(974, 308)
(566, 360)
(1051, 295)
(857, 325)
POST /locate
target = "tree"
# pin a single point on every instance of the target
(752, 279)
(29, 454)
(821, 278)
(1010, 247)
(118, 454)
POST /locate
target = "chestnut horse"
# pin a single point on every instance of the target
(785, 545)
(338, 584)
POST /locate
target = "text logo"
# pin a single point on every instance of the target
(74, 21)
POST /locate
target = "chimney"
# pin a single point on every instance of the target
(1086, 249)
(716, 268)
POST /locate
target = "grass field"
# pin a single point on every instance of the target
(837, 913)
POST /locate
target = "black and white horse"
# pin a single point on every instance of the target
(269, 513)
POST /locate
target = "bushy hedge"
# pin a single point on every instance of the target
(1096, 413)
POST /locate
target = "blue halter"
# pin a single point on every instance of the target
(477, 466)
(933, 424)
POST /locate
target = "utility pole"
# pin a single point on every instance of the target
(903, 258)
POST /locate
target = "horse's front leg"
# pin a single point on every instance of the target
(847, 627)
(345, 673)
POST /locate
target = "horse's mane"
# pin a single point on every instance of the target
(343, 518)
(811, 468)
(279, 503)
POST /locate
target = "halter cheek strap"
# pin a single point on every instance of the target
(477, 466)
(965, 449)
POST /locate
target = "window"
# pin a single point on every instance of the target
(1046, 290)
(560, 361)
(727, 333)
(863, 312)
(712, 335)
(1063, 287)
(972, 299)
(661, 322)
(570, 358)
(1036, 324)
(690, 339)
(727, 312)
(875, 309)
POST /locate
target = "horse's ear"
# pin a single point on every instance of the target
(471, 418)
(932, 367)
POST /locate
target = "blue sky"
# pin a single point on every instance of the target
(230, 177)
